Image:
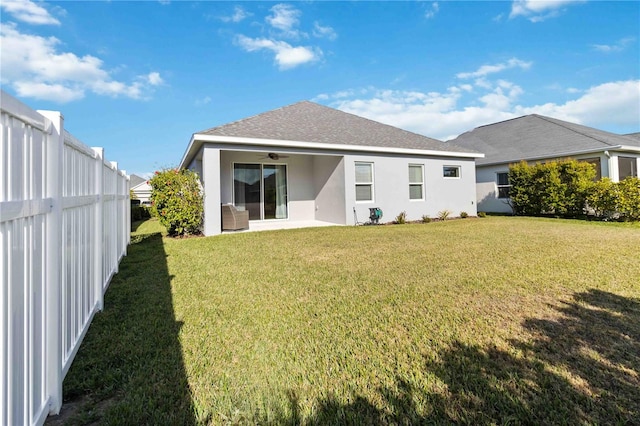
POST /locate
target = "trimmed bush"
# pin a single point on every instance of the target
(177, 202)
(464, 215)
(610, 200)
(557, 187)
(426, 218)
(482, 214)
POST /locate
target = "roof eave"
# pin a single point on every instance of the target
(566, 154)
(198, 139)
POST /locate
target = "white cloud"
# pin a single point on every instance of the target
(540, 10)
(48, 92)
(154, 79)
(35, 68)
(431, 12)
(239, 14)
(615, 102)
(327, 32)
(448, 114)
(29, 12)
(618, 46)
(285, 18)
(492, 69)
(286, 56)
(204, 101)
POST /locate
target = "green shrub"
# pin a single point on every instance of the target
(139, 212)
(629, 198)
(464, 215)
(401, 218)
(610, 200)
(177, 201)
(444, 214)
(426, 218)
(482, 214)
(603, 198)
(557, 187)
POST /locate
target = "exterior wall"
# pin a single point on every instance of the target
(211, 186)
(321, 185)
(391, 187)
(143, 192)
(487, 189)
(329, 188)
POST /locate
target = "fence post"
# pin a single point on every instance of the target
(98, 232)
(53, 326)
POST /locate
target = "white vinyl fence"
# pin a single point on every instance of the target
(64, 226)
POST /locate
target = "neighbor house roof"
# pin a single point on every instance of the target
(535, 137)
(309, 125)
(135, 180)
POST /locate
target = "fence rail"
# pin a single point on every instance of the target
(64, 226)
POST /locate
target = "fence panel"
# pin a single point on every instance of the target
(64, 226)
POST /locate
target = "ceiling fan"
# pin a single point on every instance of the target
(274, 156)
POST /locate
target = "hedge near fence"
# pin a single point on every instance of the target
(566, 188)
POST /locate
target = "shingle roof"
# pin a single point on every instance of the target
(537, 137)
(633, 135)
(135, 180)
(313, 123)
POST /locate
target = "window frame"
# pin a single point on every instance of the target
(414, 184)
(362, 184)
(457, 168)
(500, 186)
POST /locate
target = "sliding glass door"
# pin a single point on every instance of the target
(261, 189)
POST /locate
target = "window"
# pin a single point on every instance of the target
(627, 167)
(364, 181)
(416, 182)
(451, 171)
(503, 185)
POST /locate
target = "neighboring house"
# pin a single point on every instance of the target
(306, 162)
(135, 180)
(142, 191)
(535, 138)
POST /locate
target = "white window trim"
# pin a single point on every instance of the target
(452, 177)
(498, 186)
(356, 183)
(422, 196)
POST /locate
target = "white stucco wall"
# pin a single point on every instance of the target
(391, 187)
(329, 180)
(321, 185)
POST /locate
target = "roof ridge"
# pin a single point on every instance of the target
(556, 120)
(498, 122)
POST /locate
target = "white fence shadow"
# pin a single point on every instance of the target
(64, 226)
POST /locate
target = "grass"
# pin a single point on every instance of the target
(495, 320)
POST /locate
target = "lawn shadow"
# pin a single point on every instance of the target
(581, 368)
(129, 369)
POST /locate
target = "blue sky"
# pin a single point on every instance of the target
(138, 78)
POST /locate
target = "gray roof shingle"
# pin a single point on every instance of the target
(313, 123)
(537, 137)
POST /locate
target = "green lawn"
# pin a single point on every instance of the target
(477, 321)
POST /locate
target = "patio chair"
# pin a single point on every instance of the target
(234, 219)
